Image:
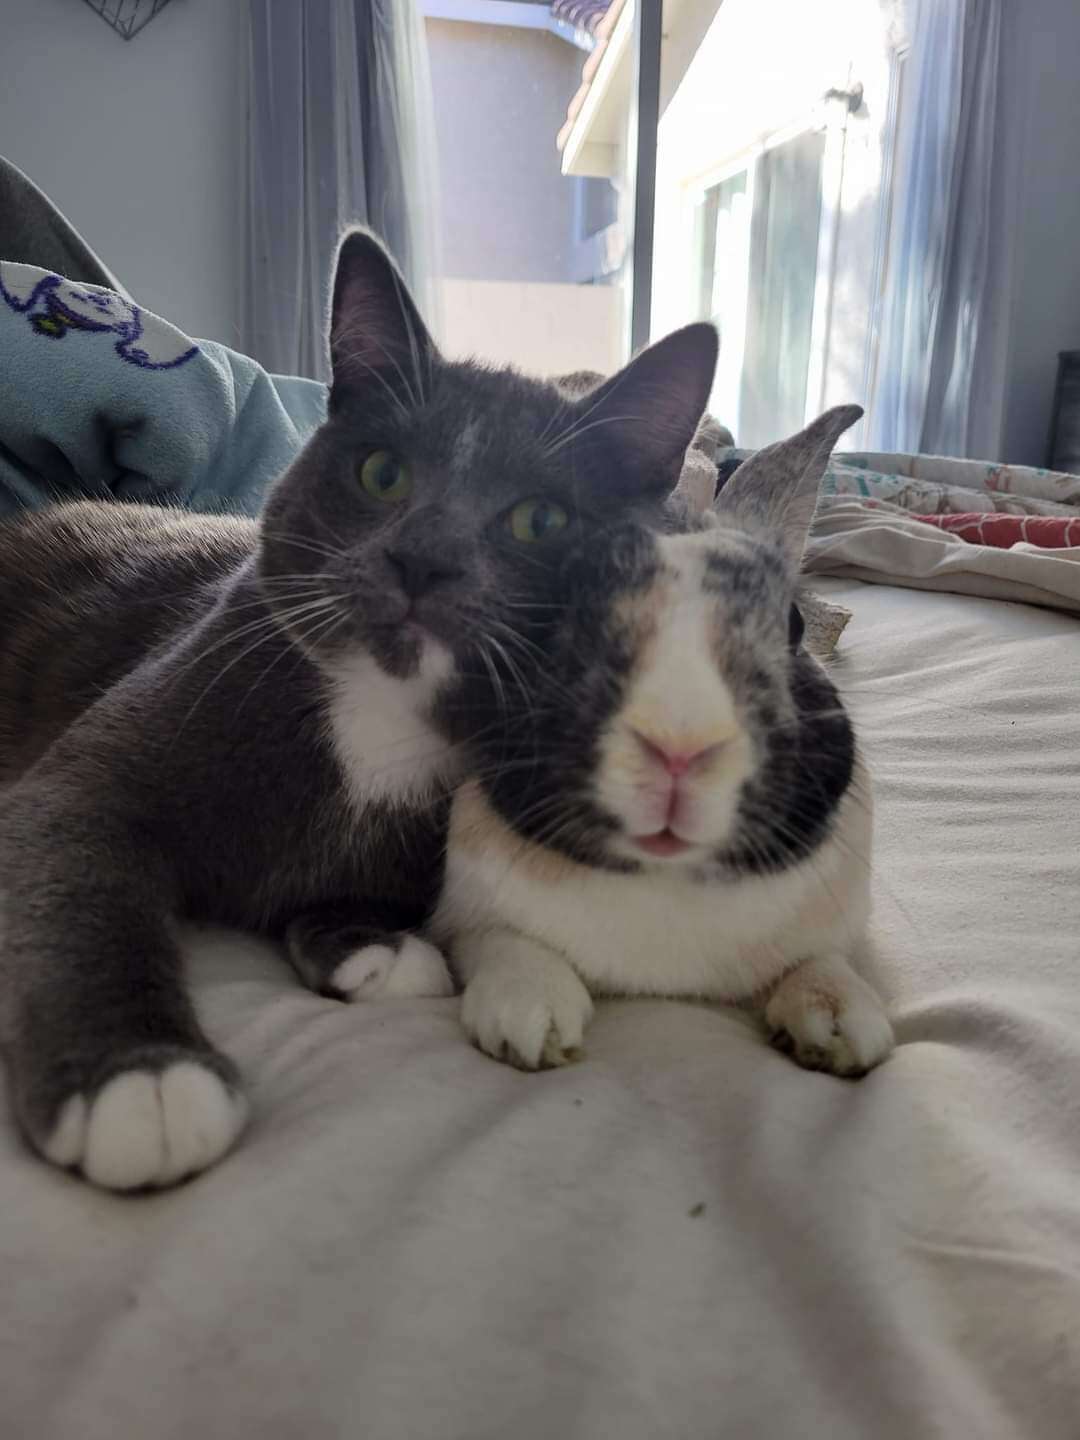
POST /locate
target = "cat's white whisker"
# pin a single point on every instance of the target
(404, 305)
(320, 629)
(273, 632)
(580, 430)
(266, 621)
(356, 363)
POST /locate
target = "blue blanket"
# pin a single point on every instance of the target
(101, 399)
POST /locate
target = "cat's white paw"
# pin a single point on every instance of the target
(379, 972)
(148, 1129)
(533, 1018)
(829, 1020)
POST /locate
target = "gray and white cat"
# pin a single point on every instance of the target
(667, 798)
(236, 721)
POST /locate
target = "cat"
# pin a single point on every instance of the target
(233, 720)
(668, 799)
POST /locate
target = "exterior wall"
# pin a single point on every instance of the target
(500, 96)
(515, 257)
(546, 329)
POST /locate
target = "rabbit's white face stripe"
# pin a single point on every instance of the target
(674, 756)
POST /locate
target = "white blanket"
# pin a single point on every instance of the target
(683, 1235)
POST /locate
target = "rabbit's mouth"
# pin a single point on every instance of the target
(663, 845)
(673, 803)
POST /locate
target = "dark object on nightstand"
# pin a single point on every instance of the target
(1063, 450)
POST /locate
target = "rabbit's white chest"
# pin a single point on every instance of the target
(663, 933)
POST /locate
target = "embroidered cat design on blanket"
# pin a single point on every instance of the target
(54, 306)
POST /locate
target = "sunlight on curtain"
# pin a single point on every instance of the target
(936, 289)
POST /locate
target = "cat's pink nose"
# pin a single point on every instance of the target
(675, 758)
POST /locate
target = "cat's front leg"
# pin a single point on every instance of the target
(354, 952)
(110, 1072)
(826, 1017)
(523, 1003)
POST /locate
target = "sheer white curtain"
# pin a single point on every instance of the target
(937, 295)
(340, 130)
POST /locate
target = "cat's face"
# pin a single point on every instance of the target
(668, 716)
(437, 505)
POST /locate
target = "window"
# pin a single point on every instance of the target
(772, 187)
(758, 240)
(722, 243)
(784, 239)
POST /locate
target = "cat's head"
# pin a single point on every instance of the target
(665, 712)
(440, 496)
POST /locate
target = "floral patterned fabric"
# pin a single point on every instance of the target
(938, 485)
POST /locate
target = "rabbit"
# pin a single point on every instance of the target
(666, 796)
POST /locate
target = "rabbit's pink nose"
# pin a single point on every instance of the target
(675, 758)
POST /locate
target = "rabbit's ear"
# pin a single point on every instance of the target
(776, 489)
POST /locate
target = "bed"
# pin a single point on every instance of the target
(681, 1235)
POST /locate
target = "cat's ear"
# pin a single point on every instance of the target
(379, 345)
(648, 412)
(776, 489)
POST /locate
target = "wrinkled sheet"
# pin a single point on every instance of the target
(882, 543)
(683, 1235)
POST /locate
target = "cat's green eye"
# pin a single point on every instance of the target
(384, 477)
(537, 520)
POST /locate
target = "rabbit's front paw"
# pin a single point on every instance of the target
(827, 1018)
(532, 1016)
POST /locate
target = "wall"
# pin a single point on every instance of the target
(547, 329)
(508, 216)
(1035, 258)
(500, 97)
(139, 143)
(685, 25)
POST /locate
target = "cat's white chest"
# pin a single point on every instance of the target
(387, 750)
(662, 933)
